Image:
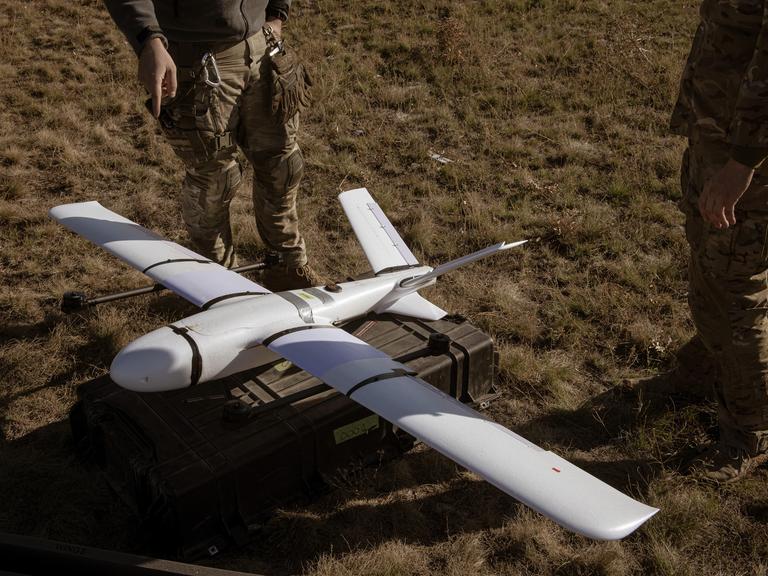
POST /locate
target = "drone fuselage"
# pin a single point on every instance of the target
(225, 339)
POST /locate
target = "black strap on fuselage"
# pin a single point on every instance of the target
(197, 359)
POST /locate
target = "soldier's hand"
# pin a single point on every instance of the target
(718, 200)
(157, 72)
(277, 27)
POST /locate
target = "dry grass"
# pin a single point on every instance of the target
(554, 115)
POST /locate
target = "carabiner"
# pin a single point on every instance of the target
(209, 65)
(274, 45)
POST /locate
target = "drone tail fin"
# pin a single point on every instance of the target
(413, 305)
(387, 252)
(381, 243)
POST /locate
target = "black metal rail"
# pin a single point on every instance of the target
(74, 301)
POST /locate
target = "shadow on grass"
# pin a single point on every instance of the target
(653, 421)
(428, 505)
(30, 331)
(53, 493)
(49, 493)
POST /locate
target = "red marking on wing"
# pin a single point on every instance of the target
(556, 469)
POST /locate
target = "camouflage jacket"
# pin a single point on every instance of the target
(203, 21)
(724, 90)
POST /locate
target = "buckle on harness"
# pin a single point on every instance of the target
(223, 140)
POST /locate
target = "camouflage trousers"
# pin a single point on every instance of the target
(728, 298)
(206, 123)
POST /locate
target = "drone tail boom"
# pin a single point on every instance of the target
(423, 280)
(405, 300)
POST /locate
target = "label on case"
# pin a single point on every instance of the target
(355, 429)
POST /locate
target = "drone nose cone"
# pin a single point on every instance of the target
(156, 362)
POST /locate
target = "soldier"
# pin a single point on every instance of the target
(219, 79)
(723, 110)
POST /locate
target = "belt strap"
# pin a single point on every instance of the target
(190, 54)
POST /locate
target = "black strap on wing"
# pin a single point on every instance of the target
(228, 296)
(173, 261)
(396, 373)
(269, 339)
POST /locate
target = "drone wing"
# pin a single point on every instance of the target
(191, 276)
(540, 479)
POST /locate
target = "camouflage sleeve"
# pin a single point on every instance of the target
(279, 9)
(748, 132)
(136, 20)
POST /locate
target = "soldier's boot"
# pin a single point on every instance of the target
(279, 277)
(692, 379)
(723, 464)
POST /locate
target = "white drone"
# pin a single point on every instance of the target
(238, 316)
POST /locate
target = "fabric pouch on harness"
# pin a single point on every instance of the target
(192, 121)
(290, 88)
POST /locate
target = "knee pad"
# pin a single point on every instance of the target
(279, 173)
